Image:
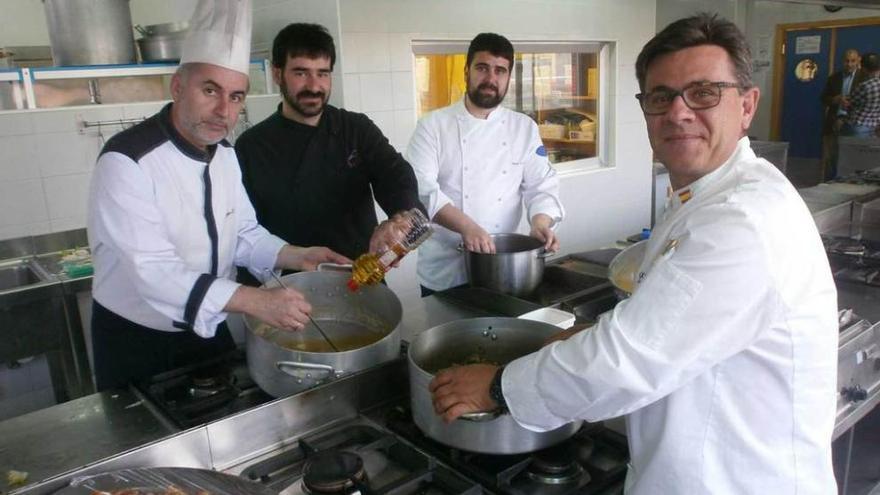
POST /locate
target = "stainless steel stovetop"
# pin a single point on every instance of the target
(382, 452)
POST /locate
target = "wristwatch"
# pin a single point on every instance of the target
(495, 392)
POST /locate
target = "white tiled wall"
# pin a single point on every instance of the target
(47, 158)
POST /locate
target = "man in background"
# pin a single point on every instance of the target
(863, 115)
(477, 164)
(835, 99)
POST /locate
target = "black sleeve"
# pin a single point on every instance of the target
(829, 92)
(391, 177)
(245, 161)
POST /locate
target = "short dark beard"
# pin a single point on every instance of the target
(292, 101)
(485, 101)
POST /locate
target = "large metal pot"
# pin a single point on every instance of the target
(516, 268)
(363, 325)
(491, 340)
(162, 42)
(90, 32)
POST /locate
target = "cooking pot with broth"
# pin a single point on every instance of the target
(362, 325)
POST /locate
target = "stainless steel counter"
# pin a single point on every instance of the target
(64, 437)
(107, 431)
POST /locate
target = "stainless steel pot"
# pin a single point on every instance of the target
(161, 48)
(162, 42)
(491, 340)
(90, 32)
(363, 325)
(516, 268)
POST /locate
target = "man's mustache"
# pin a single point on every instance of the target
(487, 86)
(310, 94)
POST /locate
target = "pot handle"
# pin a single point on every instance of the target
(545, 254)
(283, 365)
(482, 417)
(141, 30)
(334, 267)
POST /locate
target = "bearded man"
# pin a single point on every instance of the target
(477, 165)
(311, 169)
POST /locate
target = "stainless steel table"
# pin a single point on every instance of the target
(67, 436)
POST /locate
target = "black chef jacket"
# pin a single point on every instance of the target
(318, 193)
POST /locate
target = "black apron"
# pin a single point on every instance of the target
(125, 351)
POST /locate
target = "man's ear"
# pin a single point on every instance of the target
(176, 87)
(276, 75)
(749, 106)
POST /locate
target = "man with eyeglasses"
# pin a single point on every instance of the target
(724, 359)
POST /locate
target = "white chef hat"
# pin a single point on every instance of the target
(220, 34)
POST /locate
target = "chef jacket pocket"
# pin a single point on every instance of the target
(656, 308)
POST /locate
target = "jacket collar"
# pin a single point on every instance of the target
(331, 120)
(185, 147)
(461, 112)
(743, 151)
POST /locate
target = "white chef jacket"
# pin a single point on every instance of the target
(158, 262)
(725, 356)
(486, 168)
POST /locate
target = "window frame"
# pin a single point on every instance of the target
(605, 109)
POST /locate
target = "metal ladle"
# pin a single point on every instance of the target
(315, 323)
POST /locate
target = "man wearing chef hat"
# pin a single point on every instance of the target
(169, 219)
(724, 359)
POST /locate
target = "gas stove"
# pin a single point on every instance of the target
(382, 452)
(854, 260)
(204, 392)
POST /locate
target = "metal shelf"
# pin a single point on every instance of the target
(13, 75)
(28, 76)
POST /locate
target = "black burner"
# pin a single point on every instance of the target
(204, 392)
(556, 466)
(334, 472)
(593, 461)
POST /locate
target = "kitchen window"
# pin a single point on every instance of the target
(560, 85)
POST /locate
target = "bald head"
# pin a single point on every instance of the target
(851, 61)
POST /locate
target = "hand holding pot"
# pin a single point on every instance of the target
(543, 231)
(308, 258)
(476, 240)
(462, 389)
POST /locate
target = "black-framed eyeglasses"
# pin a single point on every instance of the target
(697, 96)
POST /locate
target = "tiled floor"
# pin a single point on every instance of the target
(25, 387)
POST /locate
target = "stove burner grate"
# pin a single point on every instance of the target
(334, 472)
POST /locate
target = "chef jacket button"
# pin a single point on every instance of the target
(497, 226)
(463, 141)
(499, 200)
(504, 143)
(466, 196)
(504, 171)
(465, 168)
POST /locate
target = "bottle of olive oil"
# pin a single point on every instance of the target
(370, 268)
